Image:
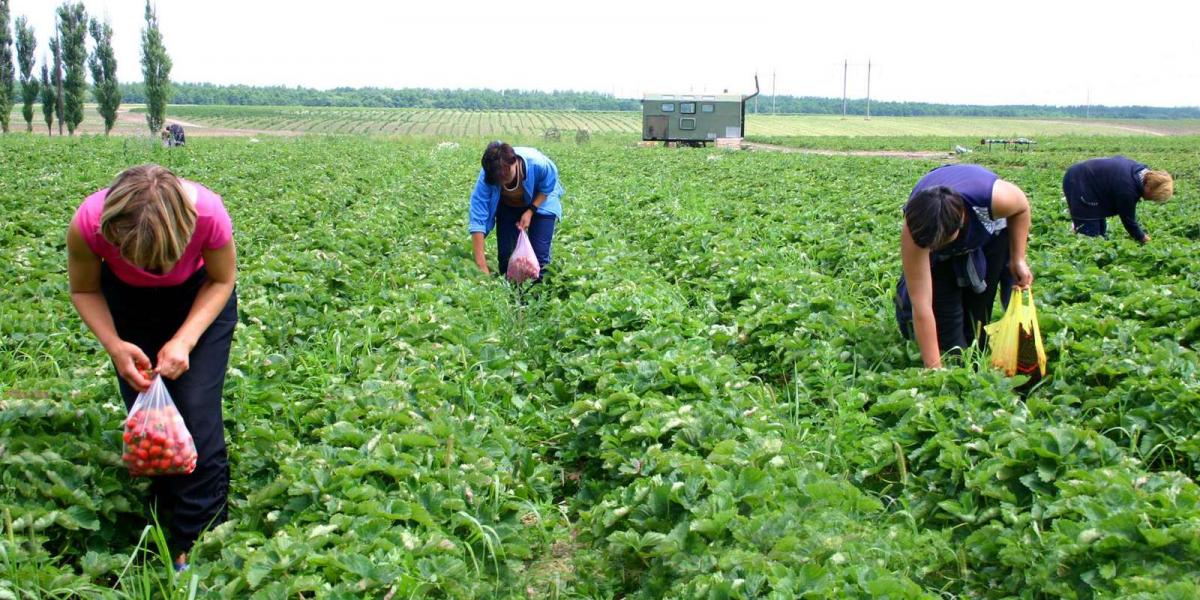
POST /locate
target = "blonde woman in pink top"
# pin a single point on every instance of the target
(152, 267)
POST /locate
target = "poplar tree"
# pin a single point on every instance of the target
(7, 73)
(72, 27)
(57, 74)
(103, 64)
(26, 47)
(156, 71)
(47, 98)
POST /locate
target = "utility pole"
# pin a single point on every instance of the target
(868, 89)
(756, 94)
(845, 70)
(1088, 104)
(772, 91)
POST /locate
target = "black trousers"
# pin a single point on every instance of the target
(959, 312)
(1090, 227)
(148, 318)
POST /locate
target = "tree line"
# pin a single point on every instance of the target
(471, 99)
(858, 107)
(484, 99)
(63, 86)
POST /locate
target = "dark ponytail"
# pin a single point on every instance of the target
(496, 158)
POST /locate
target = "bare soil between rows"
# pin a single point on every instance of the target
(909, 154)
(133, 124)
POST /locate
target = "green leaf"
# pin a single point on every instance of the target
(81, 518)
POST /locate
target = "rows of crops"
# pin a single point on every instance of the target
(460, 123)
(823, 125)
(1057, 149)
(224, 120)
(470, 123)
(128, 123)
(707, 399)
(404, 121)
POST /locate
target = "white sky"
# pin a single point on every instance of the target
(963, 51)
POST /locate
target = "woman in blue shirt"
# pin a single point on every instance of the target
(517, 189)
(962, 226)
(1104, 187)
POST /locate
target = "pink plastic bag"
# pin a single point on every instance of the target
(156, 440)
(523, 264)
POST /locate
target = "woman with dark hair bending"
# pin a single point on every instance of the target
(517, 189)
(963, 228)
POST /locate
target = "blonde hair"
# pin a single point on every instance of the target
(1158, 186)
(148, 215)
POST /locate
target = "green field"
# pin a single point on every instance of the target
(461, 123)
(454, 123)
(708, 398)
(824, 125)
(444, 123)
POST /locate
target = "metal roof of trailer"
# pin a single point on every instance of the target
(694, 97)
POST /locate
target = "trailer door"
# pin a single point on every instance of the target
(655, 127)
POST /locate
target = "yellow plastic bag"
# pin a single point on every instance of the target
(1016, 341)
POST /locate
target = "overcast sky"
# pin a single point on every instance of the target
(1010, 52)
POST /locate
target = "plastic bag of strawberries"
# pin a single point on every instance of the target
(523, 264)
(156, 440)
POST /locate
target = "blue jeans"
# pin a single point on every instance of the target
(540, 232)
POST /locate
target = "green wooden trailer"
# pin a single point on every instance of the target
(694, 118)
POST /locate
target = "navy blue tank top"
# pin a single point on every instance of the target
(974, 183)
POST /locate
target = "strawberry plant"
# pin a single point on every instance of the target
(708, 399)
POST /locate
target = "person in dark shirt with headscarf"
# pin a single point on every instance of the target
(1104, 187)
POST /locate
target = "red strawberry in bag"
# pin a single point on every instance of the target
(156, 440)
(523, 264)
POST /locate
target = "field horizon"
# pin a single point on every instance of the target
(228, 120)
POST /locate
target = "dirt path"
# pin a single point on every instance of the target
(908, 154)
(1130, 128)
(136, 123)
(186, 124)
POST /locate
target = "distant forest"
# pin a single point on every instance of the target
(480, 99)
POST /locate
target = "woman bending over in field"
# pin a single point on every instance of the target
(1103, 187)
(963, 226)
(517, 189)
(152, 266)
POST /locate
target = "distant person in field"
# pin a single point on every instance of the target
(964, 236)
(1104, 187)
(173, 136)
(517, 189)
(152, 265)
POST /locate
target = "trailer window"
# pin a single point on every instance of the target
(687, 123)
(668, 107)
(706, 108)
(687, 108)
